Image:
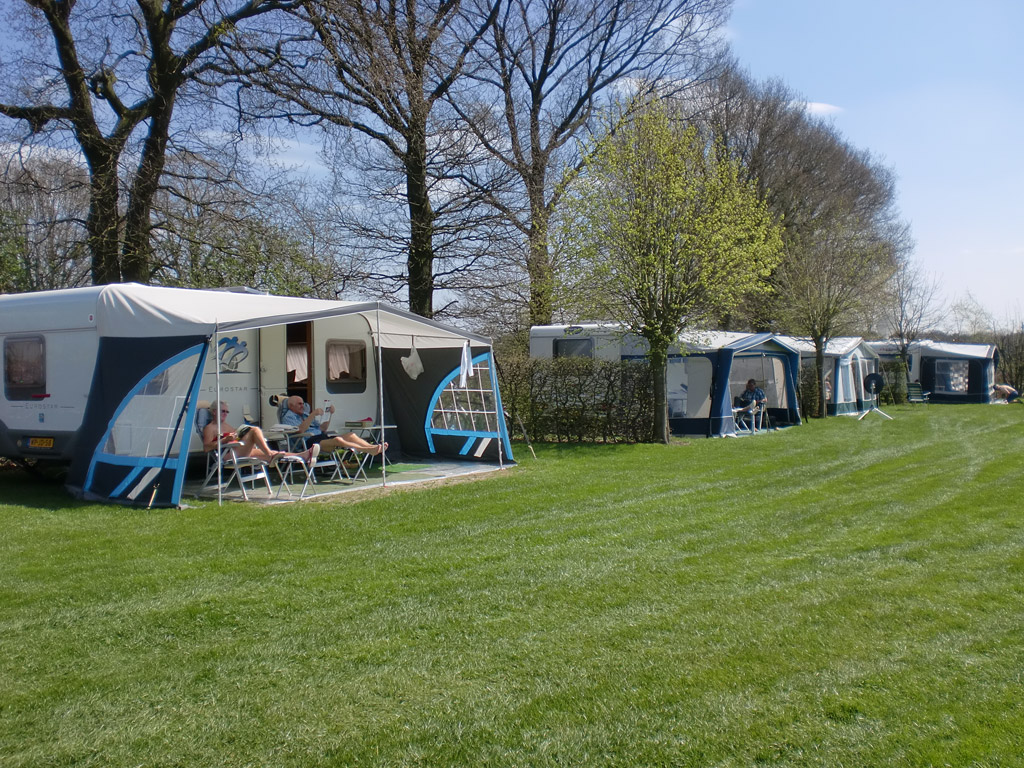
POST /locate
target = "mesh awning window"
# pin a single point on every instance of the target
(467, 410)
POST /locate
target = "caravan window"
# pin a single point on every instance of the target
(24, 368)
(574, 348)
(346, 366)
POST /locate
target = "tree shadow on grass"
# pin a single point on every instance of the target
(39, 486)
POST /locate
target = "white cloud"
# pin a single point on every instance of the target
(820, 108)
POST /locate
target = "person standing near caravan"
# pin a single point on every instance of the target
(296, 417)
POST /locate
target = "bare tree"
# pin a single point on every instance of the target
(382, 69)
(1010, 342)
(548, 67)
(111, 82)
(970, 319)
(45, 197)
(216, 226)
(828, 278)
(911, 307)
(469, 241)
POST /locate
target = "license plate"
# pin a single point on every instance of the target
(40, 442)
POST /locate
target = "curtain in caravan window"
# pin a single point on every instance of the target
(346, 360)
(297, 362)
(338, 361)
(24, 367)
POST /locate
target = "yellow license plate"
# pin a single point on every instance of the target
(40, 442)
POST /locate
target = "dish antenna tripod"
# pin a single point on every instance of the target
(873, 384)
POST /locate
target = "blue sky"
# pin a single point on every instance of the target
(936, 91)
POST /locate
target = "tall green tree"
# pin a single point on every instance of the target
(547, 71)
(664, 236)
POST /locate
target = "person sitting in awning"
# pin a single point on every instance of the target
(253, 443)
(310, 423)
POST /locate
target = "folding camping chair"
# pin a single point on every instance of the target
(345, 456)
(298, 441)
(287, 466)
(749, 418)
(243, 469)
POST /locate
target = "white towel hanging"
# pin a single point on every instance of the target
(466, 369)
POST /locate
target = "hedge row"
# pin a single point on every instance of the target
(577, 399)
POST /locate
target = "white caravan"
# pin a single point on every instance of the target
(50, 342)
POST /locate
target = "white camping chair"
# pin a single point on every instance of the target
(287, 466)
(231, 466)
(345, 456)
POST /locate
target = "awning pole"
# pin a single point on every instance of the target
(380, 394)
(216, 364)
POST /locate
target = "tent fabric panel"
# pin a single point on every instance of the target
(407, 400)
(722, 422)
(470, 408)
(123, 367)
(409, 403)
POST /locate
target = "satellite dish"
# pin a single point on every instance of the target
(874, 383)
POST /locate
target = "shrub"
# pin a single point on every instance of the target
(577, 399)
(895, 375)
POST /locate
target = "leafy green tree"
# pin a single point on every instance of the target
(12, 248)
(664, 236)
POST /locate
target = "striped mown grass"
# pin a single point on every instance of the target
(843, 593)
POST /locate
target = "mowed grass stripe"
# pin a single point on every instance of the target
(845, 593)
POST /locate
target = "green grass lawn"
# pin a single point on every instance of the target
(841, 594)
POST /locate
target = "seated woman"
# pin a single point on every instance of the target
(254, 444)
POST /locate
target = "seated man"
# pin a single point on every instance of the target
(753, 398)
(296, 417)
(254, 444)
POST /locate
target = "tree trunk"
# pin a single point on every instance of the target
(421, 223)
(659, 369)
(905, 358)
(819, 368)
(102, 222)
(538, 261)
(137, 260)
